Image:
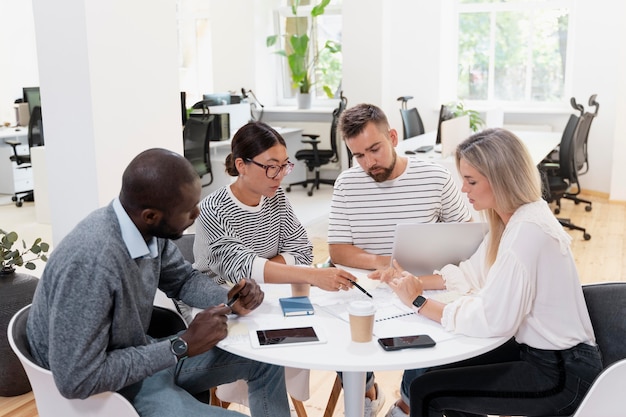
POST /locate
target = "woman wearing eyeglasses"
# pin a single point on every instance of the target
(248, 229)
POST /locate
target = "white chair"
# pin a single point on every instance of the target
(50, 403)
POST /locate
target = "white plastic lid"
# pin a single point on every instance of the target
(361, 308)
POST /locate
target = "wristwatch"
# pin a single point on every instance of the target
(178, 347)
(419, 302)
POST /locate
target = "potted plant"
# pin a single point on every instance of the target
(303, 62)
(16, 291)
(10, 258)
(458, 109)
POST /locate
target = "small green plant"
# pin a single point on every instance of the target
(458, 109)
(10, 258)
(303, 62)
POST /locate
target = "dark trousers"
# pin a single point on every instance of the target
(514, 379)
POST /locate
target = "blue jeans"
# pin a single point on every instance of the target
(171, 392)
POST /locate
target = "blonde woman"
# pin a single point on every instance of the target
(522, 282)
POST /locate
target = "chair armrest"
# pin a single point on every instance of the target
(12, 142)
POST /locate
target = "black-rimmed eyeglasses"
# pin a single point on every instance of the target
(272, 171)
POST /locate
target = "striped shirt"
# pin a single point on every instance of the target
(234, 241)
(364, 213)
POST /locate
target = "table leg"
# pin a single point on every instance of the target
(353, 393)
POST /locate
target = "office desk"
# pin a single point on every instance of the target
(539, 145)
(12, 178)
(340, 353)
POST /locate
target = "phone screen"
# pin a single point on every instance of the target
(284, 336)
(404, 342)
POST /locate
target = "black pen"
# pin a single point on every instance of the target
(232, 300)
(360, 288)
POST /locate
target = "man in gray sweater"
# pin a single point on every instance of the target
(93, 304)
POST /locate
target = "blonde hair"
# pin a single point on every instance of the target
(503, 159)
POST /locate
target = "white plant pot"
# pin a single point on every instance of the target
(304, 100)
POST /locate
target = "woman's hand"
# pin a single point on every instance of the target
(407, 287)
(387, 274)
(332, 279)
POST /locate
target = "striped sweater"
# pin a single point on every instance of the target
(365, 213)
(233, 241)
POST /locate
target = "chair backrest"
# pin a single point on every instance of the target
(567, 169)
(196, 144)
(185, 245)
(35, 128)
(343, 103)
(412, 124)
(606, 396)
(444, 114)
(606, 303)
(50, 403)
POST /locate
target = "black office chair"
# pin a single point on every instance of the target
(581, 159)
(196, 145)
(412, 124)
(35, 138)
(314, 158)
(558, 178)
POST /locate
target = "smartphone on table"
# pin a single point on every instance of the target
(406, 342)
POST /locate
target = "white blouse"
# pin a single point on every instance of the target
(532, 291)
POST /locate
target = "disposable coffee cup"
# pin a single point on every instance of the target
(300, 290)
(361, 320)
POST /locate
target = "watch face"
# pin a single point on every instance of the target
(179, 347)
(419, 301)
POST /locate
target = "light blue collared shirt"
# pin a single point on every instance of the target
(136, 245)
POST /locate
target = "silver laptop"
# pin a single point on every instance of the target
(421, 248)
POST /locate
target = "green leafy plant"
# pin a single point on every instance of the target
(10, 258)
(458, 109)
(302, 61)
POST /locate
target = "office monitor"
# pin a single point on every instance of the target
(31, 96)
(216, 99)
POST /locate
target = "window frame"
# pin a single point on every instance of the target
(510, 6)
(283, 78)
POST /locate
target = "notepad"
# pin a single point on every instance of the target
(296, 306)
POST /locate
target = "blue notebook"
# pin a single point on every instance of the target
(296, 306)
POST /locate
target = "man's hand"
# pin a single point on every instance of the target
(250, 296)
(206, 330)
(387, 274)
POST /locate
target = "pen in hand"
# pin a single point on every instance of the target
(360, 288)
(232, 300)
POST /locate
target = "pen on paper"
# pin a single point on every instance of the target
(361, 288)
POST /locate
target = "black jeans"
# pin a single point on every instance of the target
(514, 379)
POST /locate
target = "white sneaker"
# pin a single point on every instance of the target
(373, 407)
(395, 411)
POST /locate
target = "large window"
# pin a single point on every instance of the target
(325, 64)
(513, 50)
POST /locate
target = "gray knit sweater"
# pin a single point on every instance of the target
(93, 304)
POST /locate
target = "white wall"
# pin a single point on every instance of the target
(109, 90)
(394, 48)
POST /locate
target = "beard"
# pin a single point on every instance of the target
(166, 231)
(385, 173)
